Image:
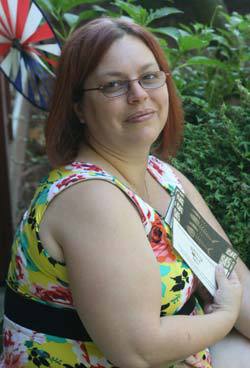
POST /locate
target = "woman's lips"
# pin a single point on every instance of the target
(140, 117)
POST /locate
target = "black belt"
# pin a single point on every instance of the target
(188, 307)
(61, 322)
(43, 318)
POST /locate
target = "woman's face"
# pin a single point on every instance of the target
(131, 121)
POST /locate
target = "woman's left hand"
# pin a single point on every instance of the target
(204, 295)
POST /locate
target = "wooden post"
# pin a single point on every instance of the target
(6, 222)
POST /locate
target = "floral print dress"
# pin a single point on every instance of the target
(38, 276)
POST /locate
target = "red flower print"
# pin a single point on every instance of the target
(12, 360)
(200, 360)
(141, 213)
(157, 167)
(56, 294)
(84, 165)
(148, 214)
(19, 266)
(69, 179)
(76, 165)
(189, 291)
(160, 243)
(90, 360)
(85, 352)
(93, 167)
(7, 338)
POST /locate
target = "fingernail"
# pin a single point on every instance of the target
(220, 268)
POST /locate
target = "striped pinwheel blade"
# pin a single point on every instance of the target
(28, 50)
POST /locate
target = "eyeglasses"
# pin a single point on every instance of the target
(118, 88)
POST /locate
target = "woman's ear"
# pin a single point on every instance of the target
(78, 109)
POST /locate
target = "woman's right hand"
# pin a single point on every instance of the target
(228, 295)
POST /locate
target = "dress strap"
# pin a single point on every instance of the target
(164, 174)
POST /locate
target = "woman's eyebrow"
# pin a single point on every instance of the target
(118, 74)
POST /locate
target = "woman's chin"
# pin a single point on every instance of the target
(146, 136)
(141, 143)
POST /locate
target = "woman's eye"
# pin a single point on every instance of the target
(150, 76)
(113, 84)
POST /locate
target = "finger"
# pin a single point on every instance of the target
(208, 309)
(220, 268)
(220, 275)
(233, 276)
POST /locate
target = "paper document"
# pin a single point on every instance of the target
(197, 242)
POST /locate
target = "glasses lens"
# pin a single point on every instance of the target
(148, 81)
(114, 89)
(153, 80)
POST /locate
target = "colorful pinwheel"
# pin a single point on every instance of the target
(28, 49)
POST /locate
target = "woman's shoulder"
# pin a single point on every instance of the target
(86, 208)
(76, 205)
(92, 194)
(63, 177)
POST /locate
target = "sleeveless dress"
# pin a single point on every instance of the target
(36, 275)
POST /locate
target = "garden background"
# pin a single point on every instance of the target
(208, 49)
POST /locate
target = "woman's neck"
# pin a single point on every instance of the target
(129, 168)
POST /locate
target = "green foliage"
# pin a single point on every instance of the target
(207, 62)
(64, 17)
(215, 156)
(143, 16)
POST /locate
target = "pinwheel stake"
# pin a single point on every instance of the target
(28, 50)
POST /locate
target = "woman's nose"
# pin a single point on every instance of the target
(136, 92)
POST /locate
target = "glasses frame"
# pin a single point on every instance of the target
(101, 87)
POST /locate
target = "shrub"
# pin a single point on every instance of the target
(215, 157)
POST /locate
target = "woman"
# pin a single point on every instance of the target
(105, 250)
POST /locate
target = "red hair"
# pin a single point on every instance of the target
(81, 54)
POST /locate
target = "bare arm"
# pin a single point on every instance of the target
(243, 322)
(115, 281)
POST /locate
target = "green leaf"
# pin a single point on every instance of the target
(47, 5)
(137, 13)
(57, 5)
(244, 26)
(71, 19)
(196, 100)
(221, 40)
(203, 60)
(218, 196)
(67, 5)
(87, 14)
(172, 32)
(160, 13)
(236, 19)
(191, 42)
(51, 7)
(99, 9)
